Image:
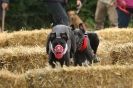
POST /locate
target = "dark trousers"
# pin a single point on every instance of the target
(58, 13)
(123, 18)
(0, 18)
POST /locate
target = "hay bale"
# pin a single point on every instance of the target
(112, 76)
(109, 38)
(9, 80)
(82, 77)
(116, 35)
(38, 37)
(24, 38)
(103, 52)
(28, 38)
(122, 54)
(20, 59)
(3, 39)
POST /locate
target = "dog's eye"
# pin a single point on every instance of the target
(62, 42)
(64, 36)
(75, 33)
(52, 36)
(79, 34)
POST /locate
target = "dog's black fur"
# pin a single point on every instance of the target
(61, 35)
(94, 41)
(90, 52)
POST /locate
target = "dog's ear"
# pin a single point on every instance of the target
(72, 27)
(64, 36)
(82, 27)
(52, 36)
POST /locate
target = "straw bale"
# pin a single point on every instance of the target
(24, 38)
(122, 54)
(21, 59)
(82, 77)
(28, 38)
(113, 76)
(3, 39)
(103, 52)
(38, 37)
(109, 38)
(116, 35)
(10, 80)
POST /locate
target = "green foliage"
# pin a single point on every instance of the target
(27, 14)
(88, 12)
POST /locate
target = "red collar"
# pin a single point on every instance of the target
(84, 43)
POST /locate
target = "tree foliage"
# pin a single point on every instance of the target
(34, 13)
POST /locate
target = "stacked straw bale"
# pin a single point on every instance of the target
(3, 39)
(116, 36)
(110, 38)
(25, 50)
(38, 37)
(21, 59)
(122, 54)
(72, 77)
(10, 80)
(24, 38)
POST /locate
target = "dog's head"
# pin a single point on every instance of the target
(81, 37)
(74, 18)
(71, 14)
(58, 45)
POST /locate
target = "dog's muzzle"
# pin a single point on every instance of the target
(59, 50)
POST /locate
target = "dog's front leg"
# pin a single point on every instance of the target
(52, 64)
(51, 61)
(67, 59)
(62, 63)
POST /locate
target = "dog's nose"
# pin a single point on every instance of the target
(58, 48)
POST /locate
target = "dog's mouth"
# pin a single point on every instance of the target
(59, 51)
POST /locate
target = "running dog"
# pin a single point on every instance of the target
(87, 44)
(61, 45)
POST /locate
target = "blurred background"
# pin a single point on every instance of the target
(33, 14)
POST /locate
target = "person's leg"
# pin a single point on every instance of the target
(100, 15)
(0, 20)
(58, 13)
(113, 16)
(123, 19)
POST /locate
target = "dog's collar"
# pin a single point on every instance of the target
(84, 43)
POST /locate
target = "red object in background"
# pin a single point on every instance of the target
(121, 4)
(123, 9)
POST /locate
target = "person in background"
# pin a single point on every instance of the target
(106, 7)
(4, 6)
(124, 10)
(58, 12)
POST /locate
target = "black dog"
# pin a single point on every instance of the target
(60, 45)
(87, 44)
